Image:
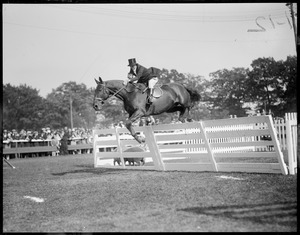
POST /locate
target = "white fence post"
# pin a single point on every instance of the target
(94, 148)
(287, 135)
(291, 135)
(120, 148)
(152, 144)
(208, 147)
(277, 146)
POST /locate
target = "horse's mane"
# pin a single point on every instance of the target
(114, 83)
(115, 80)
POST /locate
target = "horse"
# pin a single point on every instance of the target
(174, 97)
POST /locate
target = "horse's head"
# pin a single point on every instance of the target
(101, 94)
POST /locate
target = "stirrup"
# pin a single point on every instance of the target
(150, 99)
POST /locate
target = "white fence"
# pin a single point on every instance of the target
(286, 130)
(292, 139)
(202, 146)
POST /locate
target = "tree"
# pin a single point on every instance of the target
(271, 84)
(263, 82)
(22, 107)
(76, 96)
(288, 86)
(226, 93)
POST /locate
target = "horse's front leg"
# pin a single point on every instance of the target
(135, 116)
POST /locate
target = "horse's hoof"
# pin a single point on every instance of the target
(140, 139)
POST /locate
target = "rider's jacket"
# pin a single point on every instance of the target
(143, 75)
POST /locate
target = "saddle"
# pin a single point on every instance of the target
(157, 91)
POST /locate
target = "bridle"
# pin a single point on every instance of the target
(109, 91)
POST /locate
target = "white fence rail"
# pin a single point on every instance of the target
(206, 145)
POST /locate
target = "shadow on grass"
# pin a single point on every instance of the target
(92, 170)
(98, 171)
(280, 213)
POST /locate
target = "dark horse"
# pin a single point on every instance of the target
(174, 97)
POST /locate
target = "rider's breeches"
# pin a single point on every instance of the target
(152, 82)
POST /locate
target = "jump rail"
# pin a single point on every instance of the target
(233, 145)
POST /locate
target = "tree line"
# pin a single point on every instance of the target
(267, 84)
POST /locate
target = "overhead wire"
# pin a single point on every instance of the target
(137, 37)
(167, 17)
(137, 15)
(194, 14)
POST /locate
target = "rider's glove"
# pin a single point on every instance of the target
(126, 81)
(130, 76)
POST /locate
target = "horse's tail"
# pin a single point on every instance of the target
(195, 96)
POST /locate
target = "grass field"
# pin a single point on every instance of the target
(76, 197)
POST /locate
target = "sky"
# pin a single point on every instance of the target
(46, 45)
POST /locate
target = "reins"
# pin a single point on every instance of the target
(110, 90)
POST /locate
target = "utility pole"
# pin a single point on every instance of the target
(68, 91)
(71, 112)
(293, 21)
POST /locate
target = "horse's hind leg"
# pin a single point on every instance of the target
(184, 115)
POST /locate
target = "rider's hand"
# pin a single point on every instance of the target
(130, 76)
(126, 81)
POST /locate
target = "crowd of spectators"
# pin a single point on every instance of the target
(47, 134)
(59, 138)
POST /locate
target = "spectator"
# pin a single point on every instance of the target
(121, 124)
(150, 121)
(142, 122)
(64, 142)
(15, 136)
(48, 134)
(29, 137)
(8, 141)
(55, 141)
(116, 125)
(44, 134)
(5, 135)
(7, 138)
(36, 136)
(22, 136)
(111, 126)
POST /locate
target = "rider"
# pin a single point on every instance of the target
(142, 75)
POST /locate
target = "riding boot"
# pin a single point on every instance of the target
(150, 100)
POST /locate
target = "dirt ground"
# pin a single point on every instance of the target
(67, 194)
